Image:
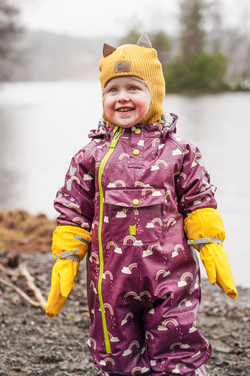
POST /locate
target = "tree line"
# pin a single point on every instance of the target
(205, 56)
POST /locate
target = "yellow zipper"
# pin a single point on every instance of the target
(116, 135)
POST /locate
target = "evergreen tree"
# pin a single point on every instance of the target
(9, 33)
(194, 68)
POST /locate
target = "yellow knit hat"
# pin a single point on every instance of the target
(138, 60)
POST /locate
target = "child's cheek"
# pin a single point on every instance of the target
(108, 109)
(143, 108)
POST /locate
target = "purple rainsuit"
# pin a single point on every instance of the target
(132, 188)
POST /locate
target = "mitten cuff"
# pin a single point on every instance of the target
(204, 223)
(70, 242)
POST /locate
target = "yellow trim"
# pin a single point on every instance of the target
(100, 172)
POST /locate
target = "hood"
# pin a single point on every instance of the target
(167, 124)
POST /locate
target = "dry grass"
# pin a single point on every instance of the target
(22, 232)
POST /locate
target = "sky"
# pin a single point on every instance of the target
(85, 18)
(97, 17)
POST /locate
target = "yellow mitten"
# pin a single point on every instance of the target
(70, 244)
(205, 230)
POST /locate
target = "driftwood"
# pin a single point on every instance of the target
(22, 270)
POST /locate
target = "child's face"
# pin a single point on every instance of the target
(126, 101)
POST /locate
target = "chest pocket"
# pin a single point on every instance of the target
(135, 215)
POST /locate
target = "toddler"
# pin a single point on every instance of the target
(138, 200)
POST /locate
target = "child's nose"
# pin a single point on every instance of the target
(123, 96)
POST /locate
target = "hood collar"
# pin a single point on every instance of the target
(166, 124)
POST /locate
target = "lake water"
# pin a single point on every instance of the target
(42, 125)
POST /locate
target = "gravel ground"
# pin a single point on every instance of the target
(33, 344)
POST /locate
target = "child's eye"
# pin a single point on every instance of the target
(113, 90)
(133, 88)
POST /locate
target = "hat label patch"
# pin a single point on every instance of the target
(122, 66)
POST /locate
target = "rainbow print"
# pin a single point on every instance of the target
(131, 293)
(159, 126)
(123, 155)
(96, 195)
(134, 343)
(171, 222)
(184, 176)
(125, 320)
(140, 184)
(111, 243)
(161, 272)
(128, 269)
(175, 344)
(139, 369)
(178, 366)
(145, 293)
(149, 334)
(193, 328)
(76, 207)
(147, 189)
(129, 350)
(176, 248)
(79, 155)
(161, 161)
(95, 223)
(155, 142)
(95, 256)
(127, 238)
(197, 156)
(181, 345)
(185, 276)
(131, 266)
(187, 303)
(136, 212)
(74, 178)
(92, 285)
(130, 314)
(81, 221)
(168, 193)
(90, 342)
(109, 274)
(107, 305)
(170, 321)
(157, 220)
(121, 204)
(120, 182)
(106, 360)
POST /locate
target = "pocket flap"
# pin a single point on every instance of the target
(134, 197)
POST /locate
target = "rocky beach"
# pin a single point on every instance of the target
(33, 344)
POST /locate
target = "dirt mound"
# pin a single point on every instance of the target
(21, 232)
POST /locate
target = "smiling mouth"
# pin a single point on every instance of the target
(125, 109)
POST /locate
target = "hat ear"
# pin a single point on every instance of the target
(144, 41)
(108, 49)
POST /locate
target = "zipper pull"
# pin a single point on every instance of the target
(115, 139)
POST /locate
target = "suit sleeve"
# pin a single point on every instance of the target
(193, 186)
(75, 200)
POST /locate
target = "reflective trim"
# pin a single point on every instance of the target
(81, 240)
(116, 135)
(203, 241)
(68, 255)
